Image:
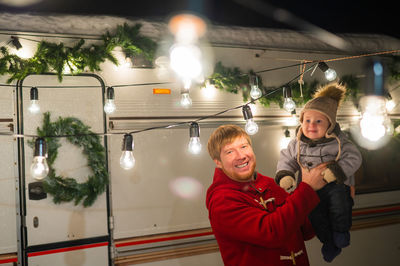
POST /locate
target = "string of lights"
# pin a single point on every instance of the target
(169, 125)
(302, 64)
(40, 169)
(127, 160)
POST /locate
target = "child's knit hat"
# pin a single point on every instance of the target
(326, 100)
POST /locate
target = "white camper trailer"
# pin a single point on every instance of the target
(155, 214)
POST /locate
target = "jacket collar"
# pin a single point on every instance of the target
(222, 181)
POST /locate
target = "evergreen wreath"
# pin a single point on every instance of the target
(66, 189)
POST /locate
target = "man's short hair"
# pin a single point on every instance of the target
(223, 135)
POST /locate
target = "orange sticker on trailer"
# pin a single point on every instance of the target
(161, 91)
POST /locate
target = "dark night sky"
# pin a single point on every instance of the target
(336, 16)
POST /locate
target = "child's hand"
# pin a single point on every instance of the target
(287, 183)
(329, 176)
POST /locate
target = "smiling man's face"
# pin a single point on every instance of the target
(238, 160)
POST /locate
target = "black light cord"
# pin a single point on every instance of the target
(266, 94)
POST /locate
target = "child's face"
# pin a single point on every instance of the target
(314, 124)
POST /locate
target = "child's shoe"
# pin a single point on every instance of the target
(330, 252)
(341, 239)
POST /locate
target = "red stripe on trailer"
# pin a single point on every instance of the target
(53, 251)
(380, 210)
(8, 260)
(154, 240)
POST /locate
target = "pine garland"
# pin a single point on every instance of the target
(66, 189)
(55, 57)
(233, 80)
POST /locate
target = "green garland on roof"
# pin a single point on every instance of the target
(233, 80)
(55, 57)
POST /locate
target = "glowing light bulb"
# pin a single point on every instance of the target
(390, 104)
(330, 74)
(285, 140)
(39, 168)
(185, 100)
(185, 61)
(127, 161)
(251, 127)
(374, 122)
(255, 92)
(109, 106)
(289, 105)
(209, 90)
(194, 145)
(34, 96)
(34, 108)
(374, 129)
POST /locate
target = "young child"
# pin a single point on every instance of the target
(319, 140)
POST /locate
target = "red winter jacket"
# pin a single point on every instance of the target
(250, 234)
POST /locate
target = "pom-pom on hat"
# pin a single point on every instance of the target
(326, 100)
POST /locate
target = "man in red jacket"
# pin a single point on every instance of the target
(254, 220)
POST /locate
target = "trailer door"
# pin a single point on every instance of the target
(62, 234)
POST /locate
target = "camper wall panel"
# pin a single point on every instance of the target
(165, 191)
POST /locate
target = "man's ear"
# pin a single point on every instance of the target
(218, 163)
